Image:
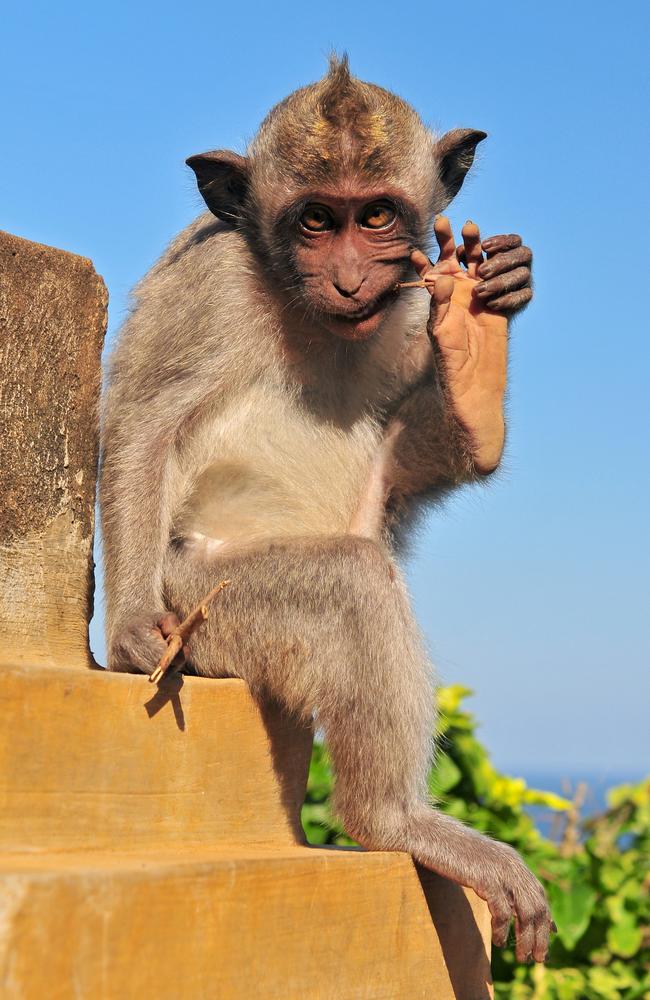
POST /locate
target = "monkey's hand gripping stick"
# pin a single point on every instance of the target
(179, 635)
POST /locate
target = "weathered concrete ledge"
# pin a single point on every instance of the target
(101, 761)
(150, 842)
(150, 846)
(274, 924)
(52, 324)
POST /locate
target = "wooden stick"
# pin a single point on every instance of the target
(174, 646)
(413, 284)
(179, 636)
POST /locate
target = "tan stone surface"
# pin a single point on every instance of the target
(149, 846)
(282, 924)
(52, 323)
(90, 759)
(149, 838)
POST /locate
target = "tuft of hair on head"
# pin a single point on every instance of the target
(339, 127)
(339, 67)
(341, 98)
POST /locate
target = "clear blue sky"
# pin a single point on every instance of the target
(534, 593)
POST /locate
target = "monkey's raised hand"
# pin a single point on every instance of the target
(469, 326)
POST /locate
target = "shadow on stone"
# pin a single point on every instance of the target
(464, 952)
(168, 691)
(290, 742)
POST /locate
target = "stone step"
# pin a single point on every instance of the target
(94, 760)
(52, 323)
(273, 923)
(150, 843)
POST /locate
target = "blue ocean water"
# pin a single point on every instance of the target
(566, 784)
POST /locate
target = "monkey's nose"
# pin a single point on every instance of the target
(348, 288)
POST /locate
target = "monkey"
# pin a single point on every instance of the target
(278, 412)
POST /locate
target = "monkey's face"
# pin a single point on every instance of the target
(348, 251)
(341, 182)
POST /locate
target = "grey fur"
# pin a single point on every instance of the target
(224, 456)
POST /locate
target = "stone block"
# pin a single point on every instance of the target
(52, 324)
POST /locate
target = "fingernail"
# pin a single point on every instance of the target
(480, 287)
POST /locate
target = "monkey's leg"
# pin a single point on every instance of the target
(325, 626)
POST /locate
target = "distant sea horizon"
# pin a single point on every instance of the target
(565, 783)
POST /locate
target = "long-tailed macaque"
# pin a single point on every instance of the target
(278, 411)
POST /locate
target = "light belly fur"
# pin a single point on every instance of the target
(271, 469)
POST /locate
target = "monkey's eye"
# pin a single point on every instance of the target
(378, 216)
(317, 219)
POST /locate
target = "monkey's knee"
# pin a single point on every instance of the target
(366, 552)
(365, 574)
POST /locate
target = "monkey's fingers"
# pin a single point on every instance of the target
(168, 623)
(543, 933)
(437, 280)
(445, 237)
(421, 263)
(532, 938)
(512, 302)
(425, 270)
(500, 261)
(501, 284)
(442, 292)
(473, 249)
(524, 940)
(497, 244)
(501, 914)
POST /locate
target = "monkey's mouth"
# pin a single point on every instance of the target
(361, 324)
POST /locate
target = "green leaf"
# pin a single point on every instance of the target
(624, 938)
(615, 906)
(450, 697)
(638, 795)
(534, 797)
(569, 984)
(611, 876)
(605, 984)
(445, 775)
(572, 908)
(315, 832)
(624, 973)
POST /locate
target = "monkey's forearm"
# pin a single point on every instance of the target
(434, 452)
(136, 519)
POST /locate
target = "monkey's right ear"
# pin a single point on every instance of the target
(222, 177)
(455, 154)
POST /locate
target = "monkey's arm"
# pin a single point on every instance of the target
(136, 512)
(433, 452)
(453, 427)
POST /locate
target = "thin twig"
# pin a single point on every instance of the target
(571, 837)
(180, 635)
(414, 284)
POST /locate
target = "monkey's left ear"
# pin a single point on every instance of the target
(455, 153)
(222, 177)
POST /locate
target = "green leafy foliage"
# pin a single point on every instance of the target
(597, 873)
